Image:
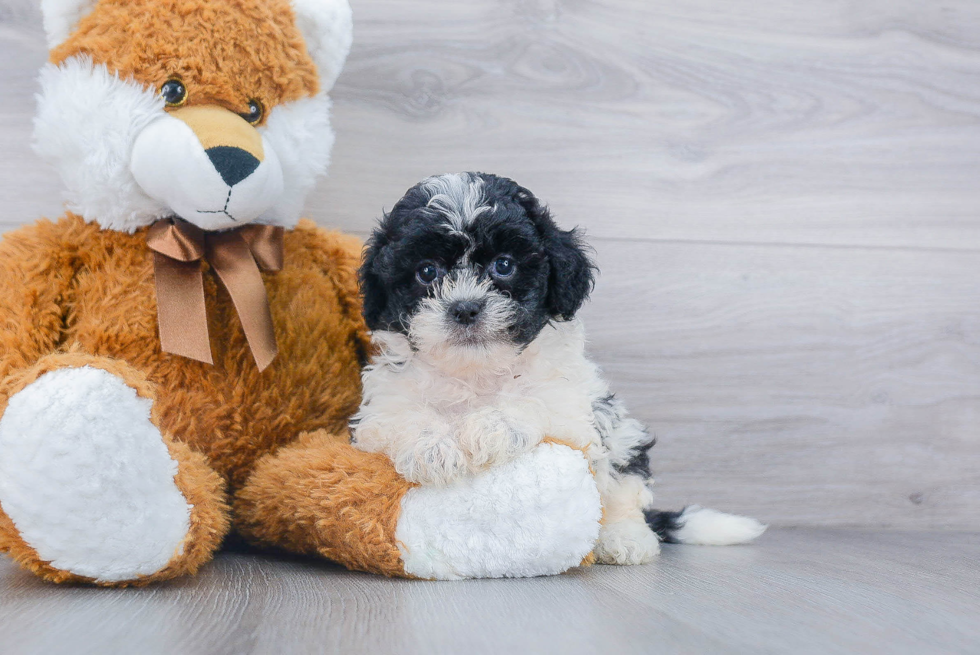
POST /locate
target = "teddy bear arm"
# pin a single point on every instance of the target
(536, 515)
(320, 496)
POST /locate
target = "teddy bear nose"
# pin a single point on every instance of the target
(465, 311)
(233, 164)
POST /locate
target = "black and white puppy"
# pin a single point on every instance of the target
(471, 291)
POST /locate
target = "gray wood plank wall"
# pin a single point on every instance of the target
(784, 199)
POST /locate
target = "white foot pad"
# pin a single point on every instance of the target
(86, 478)
(537, 515)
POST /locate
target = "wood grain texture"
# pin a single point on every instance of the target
(802, 385)
(828, 122)
(795, 591)
(30, 188)
(783, 197)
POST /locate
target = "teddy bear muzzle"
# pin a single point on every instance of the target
(209, 166)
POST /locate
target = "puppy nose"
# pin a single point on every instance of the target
(465, 311)
(233, 164)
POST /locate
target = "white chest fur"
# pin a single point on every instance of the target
(545, 390)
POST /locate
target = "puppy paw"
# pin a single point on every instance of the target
(627, 543)
(435, 459)
(489, 438)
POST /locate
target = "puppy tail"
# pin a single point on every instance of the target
(703, 527)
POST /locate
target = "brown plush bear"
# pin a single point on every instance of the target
(180, 353)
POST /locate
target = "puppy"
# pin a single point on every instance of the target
(471, 291)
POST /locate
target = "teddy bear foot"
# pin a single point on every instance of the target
(537, 515)
(89, 488)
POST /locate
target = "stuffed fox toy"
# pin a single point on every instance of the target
(180, 353)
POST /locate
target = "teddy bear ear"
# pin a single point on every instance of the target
(327, 27)
(61, 17)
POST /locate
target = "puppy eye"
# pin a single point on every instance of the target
(427, 273)
(503, 267)
(255, 112)
(174, 93)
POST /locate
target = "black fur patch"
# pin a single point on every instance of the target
(665, 524)
(572, 273)
(605, 408)
(352, 423)
(610, 413)
(639, 463)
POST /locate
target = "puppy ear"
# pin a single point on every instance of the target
(373, 290)
(328, 29)
(61, 17)
(572, 274)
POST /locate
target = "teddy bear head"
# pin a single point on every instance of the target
(214, 111)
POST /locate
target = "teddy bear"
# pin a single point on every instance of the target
(180, 352)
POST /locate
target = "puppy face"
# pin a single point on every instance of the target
(471, 265)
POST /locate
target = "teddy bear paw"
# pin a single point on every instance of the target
(87, 479)
(536, 515)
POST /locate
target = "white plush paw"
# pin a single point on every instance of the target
(537, 515)
(87, 479)
(627, 543)
(434, 459)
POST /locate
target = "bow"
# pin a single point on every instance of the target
(235, 255)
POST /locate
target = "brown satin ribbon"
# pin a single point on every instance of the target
(235, 255)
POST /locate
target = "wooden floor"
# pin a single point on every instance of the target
(795, 591)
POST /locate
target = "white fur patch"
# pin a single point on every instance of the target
(301, 136)
(458, 196)
(437, 336)
(537, 515)
(625, 538)
(61, 17)
(627, 543)
(87, 479)
(545, 389)
(87, 122)
(328, 29)
(709, 527)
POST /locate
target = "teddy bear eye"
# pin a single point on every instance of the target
(255, 112)
(174, 93)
